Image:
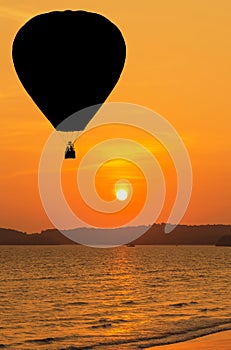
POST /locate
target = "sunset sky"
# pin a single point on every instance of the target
(178, 64)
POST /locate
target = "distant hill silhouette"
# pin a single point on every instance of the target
(224, 241)
(182, 235)
(13, 237)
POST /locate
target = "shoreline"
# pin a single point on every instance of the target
(219, 340)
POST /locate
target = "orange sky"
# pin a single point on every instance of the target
(178, 64)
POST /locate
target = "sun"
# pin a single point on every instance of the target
(121, 195)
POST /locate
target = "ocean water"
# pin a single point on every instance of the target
(75, 297)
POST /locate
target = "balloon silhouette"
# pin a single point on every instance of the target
(68, 61)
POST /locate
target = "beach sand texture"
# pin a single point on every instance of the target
(218, 341)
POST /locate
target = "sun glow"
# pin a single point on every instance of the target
(121, 195)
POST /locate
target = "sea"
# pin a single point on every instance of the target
(75, 297)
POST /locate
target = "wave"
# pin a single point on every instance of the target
(164, 339)
(48, 340)
(128, 302)
(106, 323)
(190, 335)
(103, 325)
(183, 304)
(74, 303)
(87, 347)
(173, 315)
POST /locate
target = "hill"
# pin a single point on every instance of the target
(182, 235)
(224, 241)
(48, 237)
(185, 235)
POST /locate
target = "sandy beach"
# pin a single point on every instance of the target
(217, 341)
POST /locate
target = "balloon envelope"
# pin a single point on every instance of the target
(68, 61)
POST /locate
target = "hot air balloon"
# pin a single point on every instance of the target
(68, 61)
